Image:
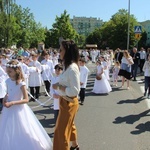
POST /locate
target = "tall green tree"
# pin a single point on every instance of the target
(61, 28)
(95, 38)
(6, 7)
(29, 33)
(19, 27)
(113, 34)
(142, 41)
(115, 31)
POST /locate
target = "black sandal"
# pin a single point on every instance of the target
(75, 148)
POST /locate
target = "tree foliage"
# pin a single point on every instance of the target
(20, 28)
(95, 37)
(114, 33)
(61, 28)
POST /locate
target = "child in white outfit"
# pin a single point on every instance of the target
(84, 72)
(115, 76)
(54, 93)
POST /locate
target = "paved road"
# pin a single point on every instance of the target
(118, 121)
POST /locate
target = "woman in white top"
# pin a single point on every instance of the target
(146, 69)
(125, 70)
(68, 88)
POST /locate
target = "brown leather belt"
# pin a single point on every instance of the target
(72, 96)
(70, 99)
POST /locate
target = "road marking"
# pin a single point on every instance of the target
(139, 81)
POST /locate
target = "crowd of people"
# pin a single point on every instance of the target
(64, 74)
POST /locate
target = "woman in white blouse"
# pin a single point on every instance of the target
(68, 89)
(125, 70)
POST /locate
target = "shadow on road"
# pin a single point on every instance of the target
(141, 128)
(93, 94)
(131, 101)
(115, 89)
(46, 122)
(130, 119)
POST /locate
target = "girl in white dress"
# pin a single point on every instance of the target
(19, 128)
(105, 64)
(115, 76)
(25, 70)
(101, 86)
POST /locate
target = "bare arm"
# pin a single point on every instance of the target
(18, 102)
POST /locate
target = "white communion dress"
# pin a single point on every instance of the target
(101, 86)
(19, 127)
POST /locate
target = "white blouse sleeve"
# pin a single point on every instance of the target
(74, 78)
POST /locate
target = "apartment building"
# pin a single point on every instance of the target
(85, 25)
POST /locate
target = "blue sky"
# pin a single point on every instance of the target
(45, 11)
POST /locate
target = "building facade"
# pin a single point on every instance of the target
(84, 25)
(146, 25)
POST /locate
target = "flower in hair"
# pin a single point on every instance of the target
(12, 66)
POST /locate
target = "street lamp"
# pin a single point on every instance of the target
(128, 36)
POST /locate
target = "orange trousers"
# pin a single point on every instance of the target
(65, 130)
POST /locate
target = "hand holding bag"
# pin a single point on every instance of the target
(98, 77)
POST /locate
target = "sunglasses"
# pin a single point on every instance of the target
(19, 59)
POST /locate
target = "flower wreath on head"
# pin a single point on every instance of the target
(12, 66)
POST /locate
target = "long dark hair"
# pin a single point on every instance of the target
(71, 53)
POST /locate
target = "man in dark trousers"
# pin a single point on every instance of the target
(136, 58)
(143, 57)
(118, 55)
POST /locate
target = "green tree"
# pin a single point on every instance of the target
(61, 28)
(113, 34)
(47, 38)
(117, 26)
(142, 41)
(18, 26)
(95, 38)
(6, 7)
(80, 40)
(29, 33)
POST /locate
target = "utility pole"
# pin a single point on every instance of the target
(128, 36)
